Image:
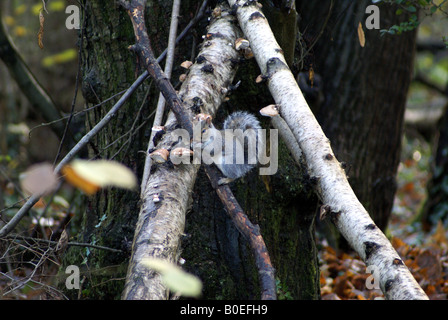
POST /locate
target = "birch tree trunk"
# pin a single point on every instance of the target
(339, 201)
(161, 224)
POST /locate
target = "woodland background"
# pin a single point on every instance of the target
(355, 94)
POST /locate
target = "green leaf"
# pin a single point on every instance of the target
(175, 278)
(56, 6)
(59, 58)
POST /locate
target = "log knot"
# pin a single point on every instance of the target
(371, 248)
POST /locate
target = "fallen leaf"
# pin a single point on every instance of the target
(331, 296)
(361, 36)
(39, 204)
(311, 76)
(439, 236)
(429, 265)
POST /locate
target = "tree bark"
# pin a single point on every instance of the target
(109, 219)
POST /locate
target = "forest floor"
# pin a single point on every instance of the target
(344, 276)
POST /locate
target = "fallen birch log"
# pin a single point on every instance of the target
(339, 201)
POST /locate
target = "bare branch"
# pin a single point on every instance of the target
(70, 244)
(161, 103)
(251, 232)
(27, 82)
(71, 154)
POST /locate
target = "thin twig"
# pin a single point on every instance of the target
(51, 242)
(77, 113)
(44, 5)
(320, 33)
(161, 103)
(266, 272)
(71, 154)
(86, 139)
(192, 22)
(21, 283)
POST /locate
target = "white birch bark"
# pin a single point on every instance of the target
(339, 200)
(161, 223)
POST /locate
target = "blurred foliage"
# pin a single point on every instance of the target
(62, 57)
(23, 24)
(418, 9)
(427, 96)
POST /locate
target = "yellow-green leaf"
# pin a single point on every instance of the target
(56, 6)
(19, 10)
(175, 278)
(65, 56)
(9, 21)
(35, 9)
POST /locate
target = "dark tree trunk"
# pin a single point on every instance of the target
(108, 67)
(365, 93)
(285, 212)
(282, 205)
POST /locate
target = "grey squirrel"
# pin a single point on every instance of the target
(239, 138)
